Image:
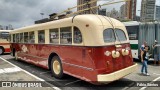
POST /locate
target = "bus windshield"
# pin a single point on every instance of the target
(109, 35)
(4, 35)
(120, 34)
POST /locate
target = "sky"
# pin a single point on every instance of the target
(20, 13)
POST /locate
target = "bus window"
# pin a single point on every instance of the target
(41, 36)
(21, 37)
(54, 36)
(121, 35)
(14, 40)
(17, 38)
(26, 37)
(31, 37)
(108, 35)
(4, 35)
(132, 32)
(66, 35)
(77, 35)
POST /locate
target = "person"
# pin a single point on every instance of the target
(155, 52)
(143, 46)
(144, 60)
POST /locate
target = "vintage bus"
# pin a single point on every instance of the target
(133, 33)
(4, 42)
(90, 47)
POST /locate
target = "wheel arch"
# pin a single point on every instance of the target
(50, 59)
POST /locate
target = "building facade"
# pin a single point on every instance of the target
(123, 12)
(131, 9)
(148, 10)
(157, 13)
(93, 11)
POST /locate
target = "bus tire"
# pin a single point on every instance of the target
(1, 50)
(56, 67)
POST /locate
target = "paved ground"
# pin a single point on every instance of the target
(71, 83)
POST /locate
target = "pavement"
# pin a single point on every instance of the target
(13, 70)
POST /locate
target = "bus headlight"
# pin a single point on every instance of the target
(115, 54)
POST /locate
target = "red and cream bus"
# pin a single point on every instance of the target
(4, 42)
(93, 48)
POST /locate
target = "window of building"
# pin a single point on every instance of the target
(17, 38)
(66, 35)
(77, 36)
(41, 36)
(26, 37)
(31, 37)
(21, 37)
(54, 36)
(108, 35)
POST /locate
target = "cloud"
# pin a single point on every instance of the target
(21, 13)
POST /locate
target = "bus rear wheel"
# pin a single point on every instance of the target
(56, 67)
(1, 50)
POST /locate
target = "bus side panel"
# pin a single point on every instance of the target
(44, 52)
(72, 60)
(89, 74)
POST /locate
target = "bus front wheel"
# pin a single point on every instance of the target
(56, 67)
(1, 50)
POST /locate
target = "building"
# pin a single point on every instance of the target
(123, 12)
(7, 27)
(42, 21)
(102, 12)
(113, 13)
(147, 10)
(79, 2)
(131, 9)
(157, 13)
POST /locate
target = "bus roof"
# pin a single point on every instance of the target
(131, 23)
(91, 27)
(88, 19)
(5, 30)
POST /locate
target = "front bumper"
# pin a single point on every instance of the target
(104, 78)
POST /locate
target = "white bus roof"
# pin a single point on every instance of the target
(5, 30)
(131, 23)
(93, 34)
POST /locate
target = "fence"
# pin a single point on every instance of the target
(149, 31)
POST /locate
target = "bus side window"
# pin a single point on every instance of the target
(21, 37)
(31, 37)
(26, 37)
(54, 36)
(77, 36)
(17, 38)
(14, 40)
(41, 36)
(66, 35)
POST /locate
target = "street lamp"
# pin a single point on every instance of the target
(42, 15)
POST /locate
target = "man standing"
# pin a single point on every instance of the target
(143, 46)
(144, 60)
(155, 52)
